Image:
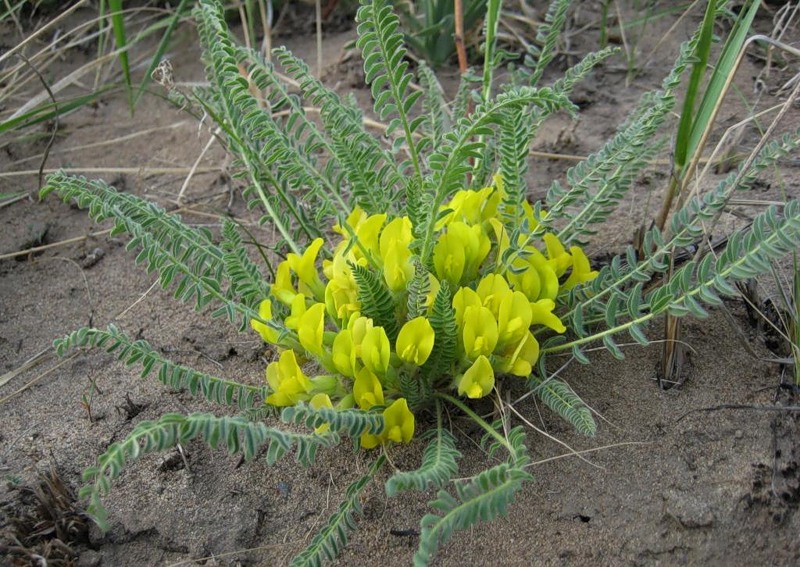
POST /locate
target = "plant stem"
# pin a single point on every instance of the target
(459, 37)
(476, 418)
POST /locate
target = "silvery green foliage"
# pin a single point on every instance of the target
(431, 154)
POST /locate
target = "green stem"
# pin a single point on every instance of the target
(476, 418)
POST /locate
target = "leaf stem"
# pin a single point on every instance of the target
(477, 419)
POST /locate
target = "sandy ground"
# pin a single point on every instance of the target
(673, 477)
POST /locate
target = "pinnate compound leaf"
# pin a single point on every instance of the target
(559, 397)
(438, 465)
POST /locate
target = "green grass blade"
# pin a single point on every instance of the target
(702, 52)
(118, 26)
(720, 78)
(49, 111)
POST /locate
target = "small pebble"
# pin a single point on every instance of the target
(91, 259)
(739, 434)
(89, 558)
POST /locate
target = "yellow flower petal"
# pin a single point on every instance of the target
(520, 358)
(283, 289)
(449, 258)
(514, 318)
(268, 334)
(298, 305)
(398, 422)
(525, 278)
(367, 233)
(304, 267)
(478, 380)
(548, 276)
(311, 328)
(367, 389)
(415, 341)
(286, 380)
(397, 267)
(493, 289)
(581, 269)
(464, 297)
(558, 256)
(397, 233)
(343, 353)
(375, 350)
(543, 315)
(480, 332)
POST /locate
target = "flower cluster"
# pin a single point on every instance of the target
(500, 300)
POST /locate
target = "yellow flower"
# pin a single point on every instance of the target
(581, 269)
(476, 246)
(493, 289)
(268, 334)
(306, 271)
(478, 380)
(398, 422)
(311, 328)
(534, 276)
(543, 315)
(375, 350)
(321, 401)
(343, 352)
(288, 383)
(520, 358)
(367, 233)
(355, 218)
(397, 232)
(397, 267)
(298, 305)
(415, 341)
(471, 206)
(449, 258)
(367, 389)
(464, 297)
(283, 289)
(359, 325)
(480, 332)
(370, 441)
(525, 278)
(398, 426)
(341, 293)
(548, 275)
(514, 317)
(558, 256)
(460, 251)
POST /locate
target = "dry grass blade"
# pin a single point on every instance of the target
(32, 362)
(38, 378)
(585, 451)
(128, 170)
(102, 143)
(45, 28)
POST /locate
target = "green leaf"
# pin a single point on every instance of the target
(376, 300)
(438, 463)
(560, 398)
